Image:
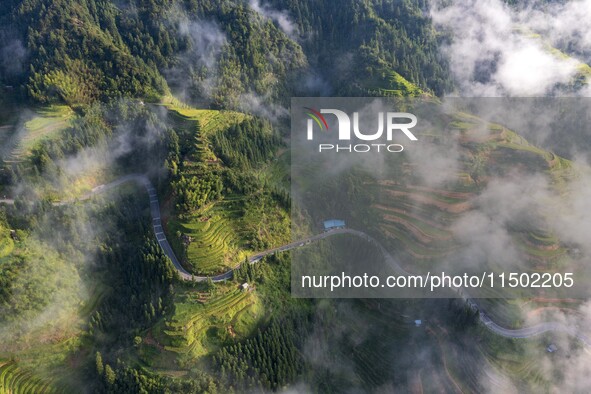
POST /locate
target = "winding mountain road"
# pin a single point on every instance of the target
(526, 332)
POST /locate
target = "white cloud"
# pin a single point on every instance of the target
(197, 67)
(206, 39)
(281, 18)
(531, 71)
(494, 53)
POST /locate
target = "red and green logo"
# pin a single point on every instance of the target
(317, 117)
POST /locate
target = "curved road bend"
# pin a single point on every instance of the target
(526, 332)
(156, 218)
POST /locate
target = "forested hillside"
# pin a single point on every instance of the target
(366, 40)
(220, 53)
(81, 51)
(192, 93)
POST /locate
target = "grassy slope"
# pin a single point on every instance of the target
(18, 138)
(43, 349)
(6, 242)
(14, 380)
(203, 321)
(44, 123)
(205, 318)
(393, 84)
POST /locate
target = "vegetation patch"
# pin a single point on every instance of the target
(14, 380)
(205, 320)
(45, 123)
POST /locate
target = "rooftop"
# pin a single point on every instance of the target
(333, 223)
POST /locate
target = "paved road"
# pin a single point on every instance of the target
(538, 329)
(526, 332)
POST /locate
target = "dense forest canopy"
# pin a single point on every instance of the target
(78, 52)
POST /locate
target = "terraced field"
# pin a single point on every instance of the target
(397, 86)
(216, 241)
(45, 123)
(417, 219)
(202, 322)
(210, 120)
(14, 380)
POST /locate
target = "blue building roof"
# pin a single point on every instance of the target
(333, 223)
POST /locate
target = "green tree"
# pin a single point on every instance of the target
(109, 375)
(99, 363)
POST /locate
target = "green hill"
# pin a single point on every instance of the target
(216, 229)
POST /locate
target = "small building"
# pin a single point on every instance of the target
(333, 224)
(418, 323)
(551, 348)
(245, 286)
(186, 239)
